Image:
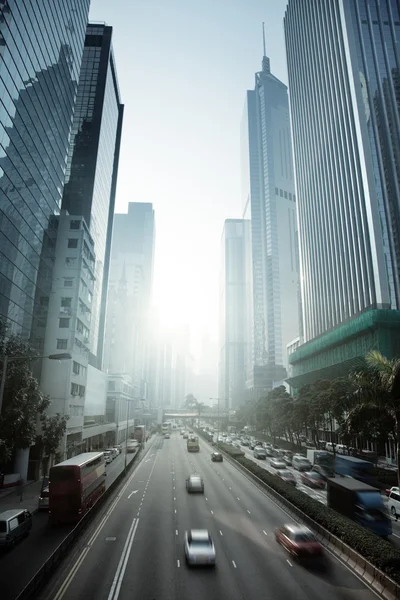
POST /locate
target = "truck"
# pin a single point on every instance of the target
(359, 502)
(321, 458)
(193, 444)
(350, 466)
(139, 433)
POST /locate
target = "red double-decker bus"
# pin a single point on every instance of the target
(75, 485)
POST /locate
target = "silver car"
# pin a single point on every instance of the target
(199, 548)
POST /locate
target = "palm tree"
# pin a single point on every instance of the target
(378, 395)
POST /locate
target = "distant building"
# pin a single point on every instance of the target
(37, 99)
(92, 167)
(130, 289)
(234, 311)
(345, 119)
(121, 404)
(269, 201)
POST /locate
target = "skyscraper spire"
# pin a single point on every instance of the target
(265, 60)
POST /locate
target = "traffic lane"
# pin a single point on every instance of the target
(266, 516)
(103, 537)
(192, 511)
(116, 467)
(254, 558)
(319, 495)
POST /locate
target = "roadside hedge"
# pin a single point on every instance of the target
(376, 550)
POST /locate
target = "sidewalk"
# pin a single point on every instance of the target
(25, 496)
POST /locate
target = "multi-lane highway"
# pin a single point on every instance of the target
(20, 564)
(135, 549)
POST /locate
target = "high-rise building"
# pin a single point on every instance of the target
(92, 167)
(269, 200)
(41, 47)
(343, 66)
(130, 289)
(234, 311)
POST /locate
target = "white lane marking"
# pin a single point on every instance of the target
(147, 460)
(175, 511)
(221, 532)
(237, 498)
(134, 492)
(212, 512)
(288, 562)
(234, 564)
(176, 532)
(206, 499)
(264, 532)
(178, 563)
(230, 488)
(110, 539)
(174, 498)
(119, 575)
(248, 511)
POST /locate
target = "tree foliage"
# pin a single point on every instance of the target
(23, 399)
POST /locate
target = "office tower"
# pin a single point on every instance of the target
(270, 202)
(343, 65)
(40, 58)
(234, 311)
(92, 167)
(130, 289)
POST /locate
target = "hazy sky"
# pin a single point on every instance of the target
(183, 69)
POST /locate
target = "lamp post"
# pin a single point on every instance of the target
(6, 359)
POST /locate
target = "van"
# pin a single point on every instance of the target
(329, 446)
(394, 502)
(14, 524)
(341, 449)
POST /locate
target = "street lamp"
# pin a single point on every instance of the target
(6, 359)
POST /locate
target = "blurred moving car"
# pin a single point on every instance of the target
(185, 435)
(287, 476)
(118, 448)
(313, 479)
(195, 484)
(199, 548)
(259, 452)
(299, 541)
(287, 459)
(43, 503)
(114, 453)
(167, 436)
(277, 463)
(324, 473)
(216, 457)
(301, 463)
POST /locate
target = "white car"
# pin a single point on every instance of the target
(199, 548)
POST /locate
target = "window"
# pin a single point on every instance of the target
(72, 243)
(68, 282)
(75, 225)
(62, 344)
(70, 261)
(66, 302)
(75, 367)
(63, 323)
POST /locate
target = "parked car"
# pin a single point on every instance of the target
(118, 448)
(301, 463)
(108, 456)
(299, 541)
(199, 548)
(217, 457)
(392, 489)
(15, 524)
(394, 502)
(287, 476)
(312, 479)
(113, 452)
(43, 503)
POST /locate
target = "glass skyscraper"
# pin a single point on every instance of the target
(270, 202)
(41, 46)
(343, 64)
(93, 164)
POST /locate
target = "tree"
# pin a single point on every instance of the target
(23, 399)
(377, 397)
(52, 431)
(190, 401)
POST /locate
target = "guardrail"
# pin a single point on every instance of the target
(41, 578)
(381, 583)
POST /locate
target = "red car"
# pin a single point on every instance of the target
(312, 479)
(299, 541)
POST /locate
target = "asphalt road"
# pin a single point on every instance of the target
(20, 564)
(135, 550)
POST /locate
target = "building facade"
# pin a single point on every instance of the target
(130, 289)
(92, 167)
(343, 66)
(234, 313)
(39, 74)
(269, 200)
(121, 405)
